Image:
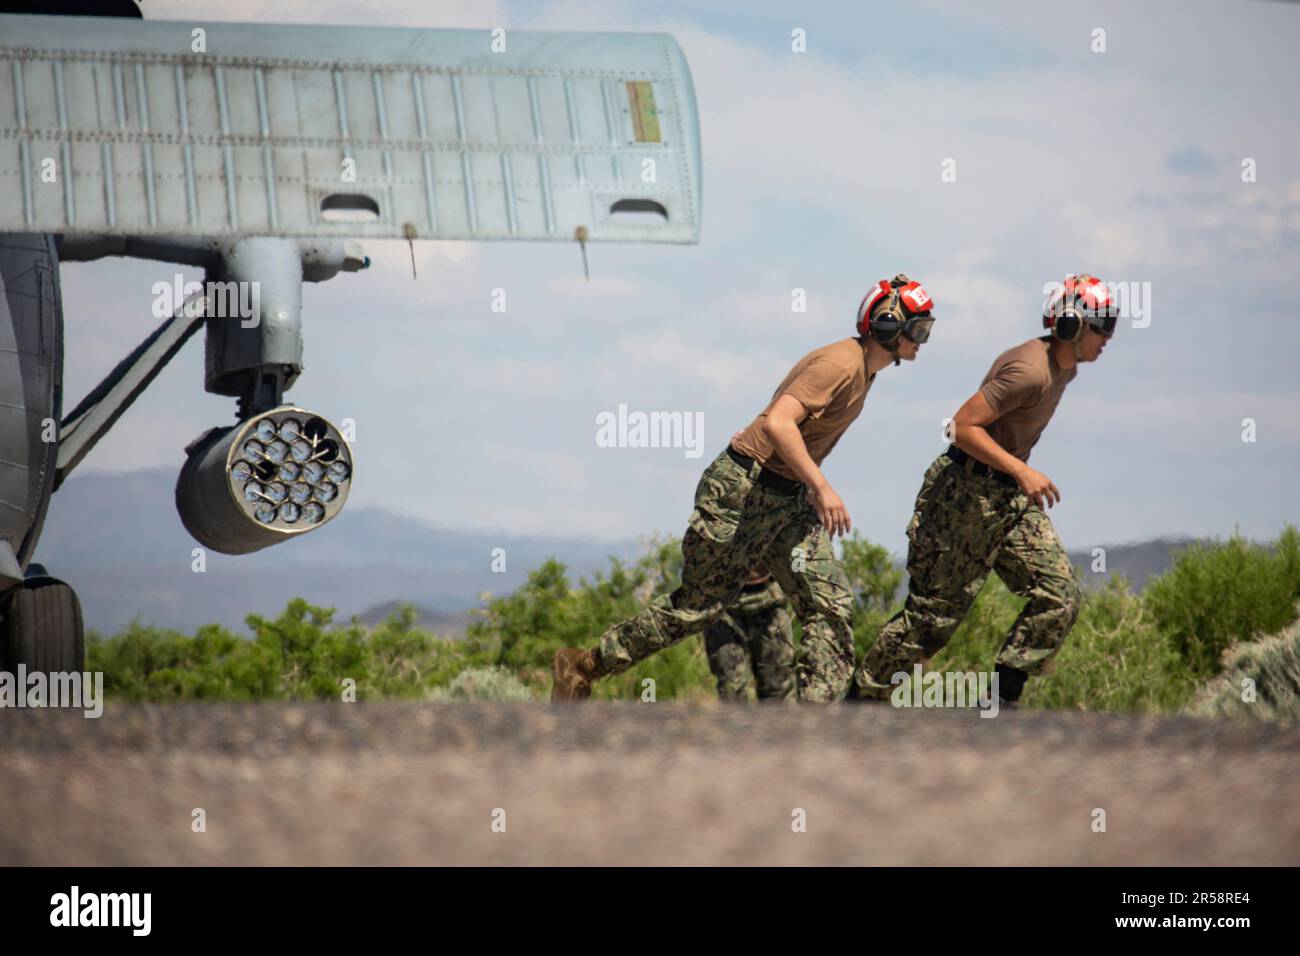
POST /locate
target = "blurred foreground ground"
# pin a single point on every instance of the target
(412, 783)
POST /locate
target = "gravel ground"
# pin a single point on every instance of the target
(420, 783)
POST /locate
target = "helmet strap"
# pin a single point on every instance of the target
(1078, 348)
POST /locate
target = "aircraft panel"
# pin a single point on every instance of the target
(122, 127)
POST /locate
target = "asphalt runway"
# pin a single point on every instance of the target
(640, 784)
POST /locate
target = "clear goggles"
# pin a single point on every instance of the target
(1103, 323)
(917, 328)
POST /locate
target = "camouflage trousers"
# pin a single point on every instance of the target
(751, 646)
(737, 524)
(964, 526)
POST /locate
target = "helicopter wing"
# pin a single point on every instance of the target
(157, 128)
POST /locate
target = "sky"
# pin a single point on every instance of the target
(823, 171)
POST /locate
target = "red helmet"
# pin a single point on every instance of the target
(893, 308)
(1081, 300)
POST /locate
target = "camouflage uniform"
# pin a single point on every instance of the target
(965, 525)
(751, 646)
(738, 523)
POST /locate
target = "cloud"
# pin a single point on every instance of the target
(665, 355)
(977, 307)
(595, 287)
(1193, 161)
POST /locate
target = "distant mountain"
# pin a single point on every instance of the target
(1138, 561)
(426, 618)
(117, 540)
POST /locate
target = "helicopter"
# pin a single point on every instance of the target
(265, 155)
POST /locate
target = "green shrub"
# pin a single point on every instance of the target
(524, 629)
(299, 655)
(1287, 552)
(975, 643)
(1144, 652)
(679, 673)
(1218, 594)
(1116, 658)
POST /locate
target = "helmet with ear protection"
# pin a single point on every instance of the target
(893, 308)
(1082, 300)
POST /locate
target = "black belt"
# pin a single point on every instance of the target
(978, 467)
(766, 477)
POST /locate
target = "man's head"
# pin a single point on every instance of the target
(1090, 345)
(1082, 312)
(897, 315)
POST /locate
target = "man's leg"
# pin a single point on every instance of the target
(728, 651)
(771, 648)
(1034, 565)
(761, 618)
(956, 526)
(727, 532)
(803, 562)
(752, 646)
(713, 574)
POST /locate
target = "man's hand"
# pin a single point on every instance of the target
(830, 509)
(972, 437)
(1038, 487)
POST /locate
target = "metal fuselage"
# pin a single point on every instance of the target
(31, 392)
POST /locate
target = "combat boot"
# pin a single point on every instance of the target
(573, 670)
(1011, 683)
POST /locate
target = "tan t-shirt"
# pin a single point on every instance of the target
(832, 384)
(1023, 388)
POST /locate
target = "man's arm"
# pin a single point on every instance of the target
(971, 436)
(782, 427)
